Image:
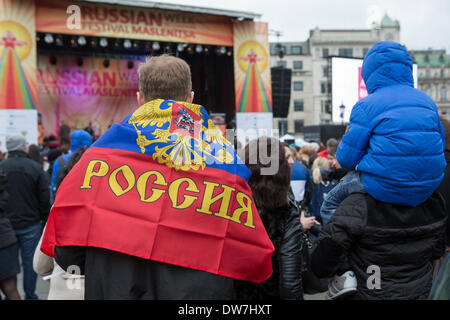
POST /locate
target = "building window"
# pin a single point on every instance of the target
(346, 52)
(298, 105)
(443, 93)
(325, 52)
(281, 64)
(282, 127)
(389, 37)
(298, 126)
(296, 50)
(298, 85)
(328, 106)
(273, 50)
(325, 106)
(278, 49)
(298, 64)
(325, 71)
(427, 73)
(428, 91)
(365, 50)
(323, 87)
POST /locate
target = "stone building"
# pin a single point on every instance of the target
(434, 77)
(311, 83)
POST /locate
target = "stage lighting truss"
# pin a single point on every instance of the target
(220, 51)
(168, 48)
(73, 42)
(48, 38)
(156, 46)
(127, 44)
(59, 40)
(181, 47)
(82, 41)
(103, 42)
(94, 43)
(199, 48)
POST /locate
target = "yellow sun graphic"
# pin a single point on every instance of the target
(252, 51)
(22, 37)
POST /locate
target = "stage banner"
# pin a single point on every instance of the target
(17, 54)
(251, 67)
(252, 126)
(18, 122)
(95, 93)
(133, 22)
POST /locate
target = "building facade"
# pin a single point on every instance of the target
(311, 84)
(434, 77)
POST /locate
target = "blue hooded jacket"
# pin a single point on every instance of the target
(78, 139)
(395, 137)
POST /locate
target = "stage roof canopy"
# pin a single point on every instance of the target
(179, 7)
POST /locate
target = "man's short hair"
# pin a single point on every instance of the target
(331, 143)
(165, 77)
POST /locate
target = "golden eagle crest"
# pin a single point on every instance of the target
(181, 140)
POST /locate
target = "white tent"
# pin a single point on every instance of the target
(287, 137)
(300, 142)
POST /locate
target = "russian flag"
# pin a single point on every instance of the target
(164, 185)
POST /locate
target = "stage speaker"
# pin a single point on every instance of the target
(281, 91)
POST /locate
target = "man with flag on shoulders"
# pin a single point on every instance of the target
(159, 207)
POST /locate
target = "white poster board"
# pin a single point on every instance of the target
(22, 122)
(348, 87)
(251, 126)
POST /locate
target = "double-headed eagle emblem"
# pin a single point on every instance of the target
(179, 135)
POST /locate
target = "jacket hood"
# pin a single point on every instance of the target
(387, 63)
(78, 139)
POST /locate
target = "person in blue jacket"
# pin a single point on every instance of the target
(395, 141)
(78, 139)
(301, 185)
(395, 137)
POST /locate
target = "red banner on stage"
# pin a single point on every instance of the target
(92, 93)
(135, 22)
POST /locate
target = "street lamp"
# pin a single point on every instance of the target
(342, 109)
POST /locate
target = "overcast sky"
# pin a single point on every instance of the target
(423, 23)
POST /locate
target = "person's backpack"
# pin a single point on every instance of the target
(61, 173)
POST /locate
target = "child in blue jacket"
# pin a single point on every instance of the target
(395, 139)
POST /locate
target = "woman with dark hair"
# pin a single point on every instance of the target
(35, 153)
(76, 156)
(281, 219)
